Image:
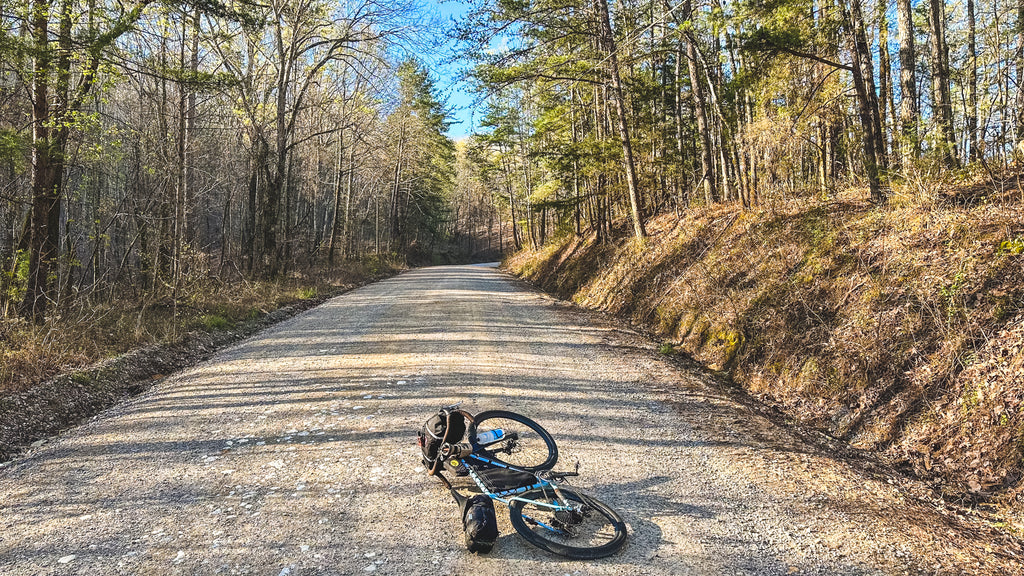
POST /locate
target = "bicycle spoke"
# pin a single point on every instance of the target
(579, 527)
(515, 440)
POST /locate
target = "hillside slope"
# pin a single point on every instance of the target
(899, 329)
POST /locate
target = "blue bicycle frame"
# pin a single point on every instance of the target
(506, 497)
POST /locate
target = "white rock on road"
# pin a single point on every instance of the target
(248, 462)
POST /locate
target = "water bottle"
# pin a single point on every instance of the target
(489, 436)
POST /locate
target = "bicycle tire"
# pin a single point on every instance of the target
(531, 451)
(602, 528)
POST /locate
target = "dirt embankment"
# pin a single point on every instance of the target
(899, 329)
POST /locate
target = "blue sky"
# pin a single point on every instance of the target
(445, 71)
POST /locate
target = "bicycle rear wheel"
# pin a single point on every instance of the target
(520, 442)
(591, 530)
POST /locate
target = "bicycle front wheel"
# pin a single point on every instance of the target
(514, 440)
(591, 529)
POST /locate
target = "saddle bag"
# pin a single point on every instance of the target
(443, 427)
(479, 523)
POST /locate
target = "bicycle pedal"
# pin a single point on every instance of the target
(461, 470)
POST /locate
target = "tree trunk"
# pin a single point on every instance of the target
(190, 130)
(286, 250)
(941, 99)
(620, 108)
(225, 230)
(598, 188)
(678, 112)
(346, 216)
(910, 142)
(395, 220)
(1020, 73)
(707, 161)
(972, 84)
(165, 243)
(517, 241)
(46, 167)
(867, 104)
(575, 166)
(884, 89)
(524, 156)
(277, 181)
(256, 159)
(181, 180)
(335, 225)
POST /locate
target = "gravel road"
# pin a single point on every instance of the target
(294, 453)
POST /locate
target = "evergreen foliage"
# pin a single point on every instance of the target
(743, 101)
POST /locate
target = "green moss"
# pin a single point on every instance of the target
(80, 378)
(1013, 247)
(214, 322)
(809, 372)
(730, 338)
(732, 341)
(970, 399)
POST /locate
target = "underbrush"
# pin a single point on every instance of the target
(94, 327)
(898, 328)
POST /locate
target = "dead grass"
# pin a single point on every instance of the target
(898, 328)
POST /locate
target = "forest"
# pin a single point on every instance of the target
(166, 166)
(146, 144)
(597, 113)
(172, 165)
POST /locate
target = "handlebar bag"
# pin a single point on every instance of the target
(479, 523)
(442, 427)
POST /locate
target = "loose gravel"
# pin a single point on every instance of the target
(294, 453)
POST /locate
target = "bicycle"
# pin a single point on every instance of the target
(510, 459)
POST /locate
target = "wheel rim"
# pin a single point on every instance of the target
(586, 531)
(521, 446)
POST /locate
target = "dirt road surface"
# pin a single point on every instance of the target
(293, 453)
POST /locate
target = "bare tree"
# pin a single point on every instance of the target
(863, 81)
(1020, 72)
(941, 100)
(909, 106)
(301, 39)
(608, 41)
(707, 161)
(57, 97)
(972, 83)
